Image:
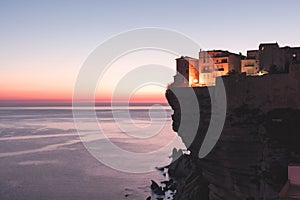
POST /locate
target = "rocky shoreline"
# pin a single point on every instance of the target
(250, 160)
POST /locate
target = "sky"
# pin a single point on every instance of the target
(44, 44)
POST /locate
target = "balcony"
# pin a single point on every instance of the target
(219, 69)
(221, 61)
(249, 65)
(206, 71)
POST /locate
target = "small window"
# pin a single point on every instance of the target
(224, 60)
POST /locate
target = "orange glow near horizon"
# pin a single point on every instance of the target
(147, 94)
(66, 97)
(38, 80)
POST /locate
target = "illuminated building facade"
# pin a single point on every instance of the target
(269, 58)
(217, 63)
(187, 72)
(192, 72)
(250, 64)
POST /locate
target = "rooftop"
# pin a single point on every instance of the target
(186, 58)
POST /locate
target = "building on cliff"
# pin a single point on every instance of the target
(277, 59)
(252, 157)
(217, 63)
(187, 72)
(192, 72)
(250, 64)
(202, 71)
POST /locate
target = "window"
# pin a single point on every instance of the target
(224, 60)
(205, 57)
(205, 69)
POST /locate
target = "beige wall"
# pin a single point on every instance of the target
(250, 66)
(187, 72)
(209, 62)
(206, 69)
(193, 72)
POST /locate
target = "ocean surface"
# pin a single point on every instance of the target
(43, 155)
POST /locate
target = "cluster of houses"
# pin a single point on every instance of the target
(202, 71)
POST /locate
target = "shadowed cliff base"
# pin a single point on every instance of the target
(258, 142)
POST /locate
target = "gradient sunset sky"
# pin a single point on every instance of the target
(44, 43)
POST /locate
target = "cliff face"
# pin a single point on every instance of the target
(259, 140)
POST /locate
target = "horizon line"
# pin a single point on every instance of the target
(67, 103)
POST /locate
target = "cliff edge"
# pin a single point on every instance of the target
(260, 138)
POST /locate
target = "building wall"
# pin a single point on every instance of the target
(234, 63)
(292, 55)
(250, 67)
(187, 72)
(295, 69)
(193, 72)
(206, 64)
(270, 56)
(182, 76)
(206, 68)
(253, 54)
(217, 63)
(222, 64)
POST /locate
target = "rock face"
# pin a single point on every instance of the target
(190, 182)
(260, 138)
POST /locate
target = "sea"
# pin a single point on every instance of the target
(101, 153)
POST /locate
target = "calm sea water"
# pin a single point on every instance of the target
(43, 157)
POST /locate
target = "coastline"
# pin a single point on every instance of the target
(258, 142)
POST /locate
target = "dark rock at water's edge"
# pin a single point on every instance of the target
(156, 189)
(259, 140)
(190, 183)
(186, 181)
